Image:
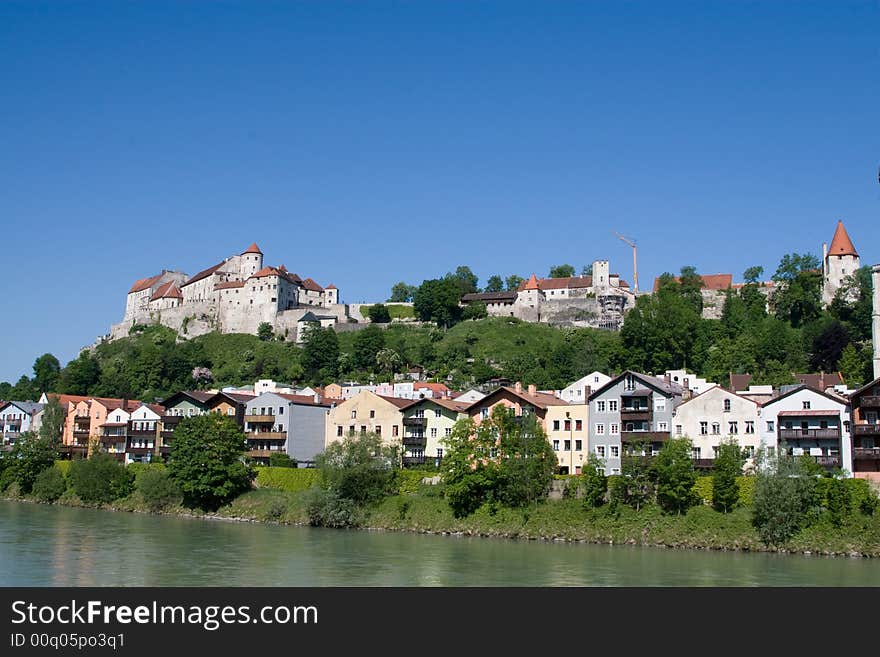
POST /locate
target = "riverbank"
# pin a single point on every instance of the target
(426, 512)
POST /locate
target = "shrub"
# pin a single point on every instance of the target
(595, 483)
(326, 508)
(838, 501)
(277, 509)
(49, 485)
(63, 466)
(746, 490)
(703, 489)
(784, 498)
(158, 489)
(359, 468)
(281, 460)
(288, 479)
(100, 479)
(409, 481)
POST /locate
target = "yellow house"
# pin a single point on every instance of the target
(367, 412)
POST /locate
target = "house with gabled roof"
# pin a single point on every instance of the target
(367, 412)
(426, 422)
(865, 406)
(16, 418)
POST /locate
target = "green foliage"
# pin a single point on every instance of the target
(29, 456)
(367, 343)
(100, 479)
(636, 486)
(265, 332)
(206, 460)
(53, 421)
(503, 459)
(513, 282)
(49, 485)
(288, 479)
(327, 508)
(360, 468)
(320, 355)
(798, 299)
(409, 481)
(158, 489)
(63, 466)
(561, 271)
(47, 371)
(784, 493)
(703, 489)
(475, 310)
(594, 483)
(839, 501)
(746, 490)
(436, 300)
(379, 314)
(281, 460)
(728, 466)
(676, 477)
(402, 292)
(494, 284)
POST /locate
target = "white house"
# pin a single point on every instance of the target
(17, 417)
(575, 393)
(810, 422)
(690, 381)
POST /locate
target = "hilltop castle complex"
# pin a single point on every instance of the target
(234, 296)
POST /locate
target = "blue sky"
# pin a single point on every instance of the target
(363, 143)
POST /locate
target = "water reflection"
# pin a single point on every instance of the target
(58, 546)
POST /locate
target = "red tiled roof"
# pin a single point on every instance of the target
(204, 273)
(167, 291)
(268, 271)
(841, 244)
(568, 282)
(67, 399)
(531, 284)
(142, 284)
(433, 387)
(228, 284)
(309, 284)
(308, 400)
(330, 287)
(253, 248)
(710, 281)
(820, 381)
(400, 403)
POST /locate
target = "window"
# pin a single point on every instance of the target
(727, 406)
(439, 452)
(434, 432)
(600, 451)
(806, 405)
(354, 414)
(750, 426)
(372, 414)
(447, 431)
(704, 428)
(733, 428)
(678, 430)
(578, 445)
(437, 412)
(600, 429)
(612, 405)
(555, 445)
(394, 430)
(555, 425)
(615, 451)
(614, 429)
(339, 430)
(578, 425)
(662, 426)
(568, 425)
(351, 430)
(484, 413)
(363, 428)
(567, 446)
(716, 428)
(280, 410)
(659, 404)
(695, 453)
(600, 407)
(770, 425)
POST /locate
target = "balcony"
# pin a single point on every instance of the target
(644, 436)
(140, 450)
(809, 434)
(260, 419)
(866, 429)
(263, 453)
(866, 454)
(80, 433)
(635, 414)
(413, 440)
(415, 422)
(704, 464)
(142, 432)
(267, 435)
(870, 401)
(828, 461)
(409, 461)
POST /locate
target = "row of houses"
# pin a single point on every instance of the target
(595, 417)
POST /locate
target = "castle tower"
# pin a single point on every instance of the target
(839, 261)
(876, 321)
(601, 274)
(251, 261)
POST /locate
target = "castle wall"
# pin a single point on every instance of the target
(837, 268)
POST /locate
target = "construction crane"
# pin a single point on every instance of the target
(632, 243)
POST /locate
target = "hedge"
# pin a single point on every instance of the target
(289, 479)
(703, 489)
(64, 466)
(409, 480)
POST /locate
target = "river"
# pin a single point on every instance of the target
(62, 546)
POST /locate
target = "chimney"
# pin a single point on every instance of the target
(876, 322)
(317, 397)
(587, 391)
(532, 389)
(687, 383)
(518, 387)
(667, 378)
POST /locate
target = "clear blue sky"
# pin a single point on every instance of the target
(363, 143)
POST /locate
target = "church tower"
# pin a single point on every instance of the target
(838, 262)
(251, 261)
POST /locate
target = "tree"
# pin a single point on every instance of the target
(561, 271)
(753, 299)
(828, 345)
(158, 489)
(80, 376)
(320, 356)
(728, 466)
(401, 292)
(47, 371)
(854, 365)
(661, 331)
(689, 285)
(360, 468)
(366, 345)
(494, 284)
(839, 501)
(503, 459)
(798, 299)
(29, 456)
(281, 460)
(783, 498)
(587, 270)
(49, 485)
(513, 282)
(388, 360)
(379, 314)
(265, 332)
(437, 301)
(465, 279)
(206, 460)
(676, 477)
(100, 479)
(637, 480)
(52, 424)
(595, 483)
(853, 303)
(475, 310)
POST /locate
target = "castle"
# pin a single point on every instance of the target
(233, 296)
(838, 262)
